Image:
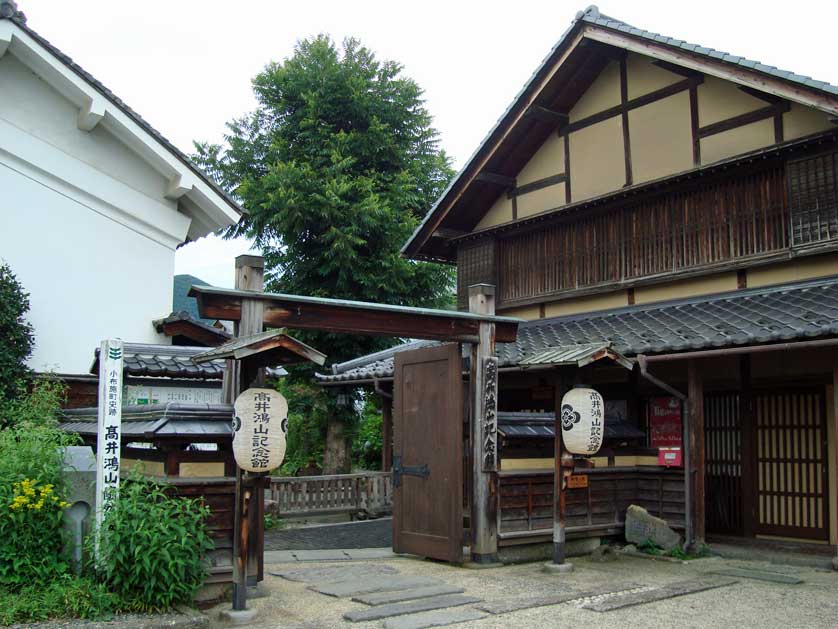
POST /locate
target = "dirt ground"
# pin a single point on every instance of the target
(747, 603)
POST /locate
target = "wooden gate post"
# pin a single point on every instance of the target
(484, 430)
(250, 498)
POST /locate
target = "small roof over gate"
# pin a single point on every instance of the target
(576, 355)
(274, 347)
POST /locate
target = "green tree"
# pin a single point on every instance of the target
(336, 166)
(16, 339)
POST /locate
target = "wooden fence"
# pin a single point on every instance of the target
(368, 493)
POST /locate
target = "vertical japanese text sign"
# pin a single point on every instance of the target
(260, 423)
(109, 429)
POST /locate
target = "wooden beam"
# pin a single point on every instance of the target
(544, 114)
(448, 234)
(333, 315)
(748, 436)
(742, 119)
(625, 120)
(566, 143)
(771, 99)
(496, 179)
(546, 182)
(695, 393)
(676, 69)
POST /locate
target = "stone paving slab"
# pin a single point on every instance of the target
(366, 534)
(672, 590)
(364, 584)
(760, 575)
(437, 618)
(411, 607)
(338, 554)
(507, 606)
(328, 574)
(399, 596)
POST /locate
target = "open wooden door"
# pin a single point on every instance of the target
(428, 453)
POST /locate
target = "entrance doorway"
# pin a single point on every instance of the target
(766, 469)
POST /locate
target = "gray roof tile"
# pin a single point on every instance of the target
(761, 315)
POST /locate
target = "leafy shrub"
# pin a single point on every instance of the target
(153, 546)
(31, 502)
(307, 406)
(64, 597)
(16, 337)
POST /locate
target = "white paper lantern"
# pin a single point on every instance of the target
(260, 423)
(583, 421)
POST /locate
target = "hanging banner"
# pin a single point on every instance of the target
(665, 422)
(583, 421)
(260, 423)
(109, 428)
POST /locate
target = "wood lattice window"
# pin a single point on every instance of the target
(813, 198)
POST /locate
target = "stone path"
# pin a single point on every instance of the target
(760, 575)
(657, 594)
(366, 534)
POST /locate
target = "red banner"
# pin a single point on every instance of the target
(665, 422)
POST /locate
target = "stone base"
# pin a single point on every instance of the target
(557, 568)
(237, 617)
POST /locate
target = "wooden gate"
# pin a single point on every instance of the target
(428, 453)
(791, 470)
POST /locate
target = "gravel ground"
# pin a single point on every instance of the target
(748, 603)
(365, 534)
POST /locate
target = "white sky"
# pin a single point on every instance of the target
(186, 65)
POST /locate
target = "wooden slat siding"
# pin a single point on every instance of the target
(813, 198)
(723, 471)
(720, 222)
(526, 499)
(792, 497)
(475, 265)
(370, 492)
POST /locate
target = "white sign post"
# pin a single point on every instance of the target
(109, 431)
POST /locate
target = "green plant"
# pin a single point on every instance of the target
(31, 502)
(153, 546)
(66, 596)
(273, 522)
(367, 444)
(649, 547)
(16, 338)
(307, 406)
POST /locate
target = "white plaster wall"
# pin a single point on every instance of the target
(33, 106)
(89, 277)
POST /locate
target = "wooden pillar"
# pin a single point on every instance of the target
(386, 433)
(831, 448)
(250, 499)
(484, 432)
(695, 393)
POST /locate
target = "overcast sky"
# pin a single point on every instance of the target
(186, 65)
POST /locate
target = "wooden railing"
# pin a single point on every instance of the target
(370, 493)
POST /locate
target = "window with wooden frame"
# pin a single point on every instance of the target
(813, 198)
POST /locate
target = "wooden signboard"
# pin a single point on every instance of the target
(577, 481)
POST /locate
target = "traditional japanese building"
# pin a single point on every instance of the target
(664, 216)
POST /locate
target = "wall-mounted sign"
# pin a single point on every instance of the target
(260, 423)
(577, 481)
(109, 430)
(583, 421)
(665, 422)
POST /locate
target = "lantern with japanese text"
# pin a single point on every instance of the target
(260, 423)
(583, 421)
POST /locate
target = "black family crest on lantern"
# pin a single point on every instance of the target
(569, 417)
(490, 416)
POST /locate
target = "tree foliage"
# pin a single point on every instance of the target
(16, 338)
(336, 166)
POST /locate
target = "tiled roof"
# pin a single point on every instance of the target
(165, 361)
(8, 10)
(542, 425)
(754, 316)
(158, 420)
(591, 15)
(182, 315)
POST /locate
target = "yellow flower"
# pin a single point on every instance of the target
(63, 504)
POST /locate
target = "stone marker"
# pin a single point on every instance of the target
(507, 606)
(368, 584)
(399, 596)
(672, 590)
(79, 474)
(411, 607)
(438, 618)
(640, 526)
